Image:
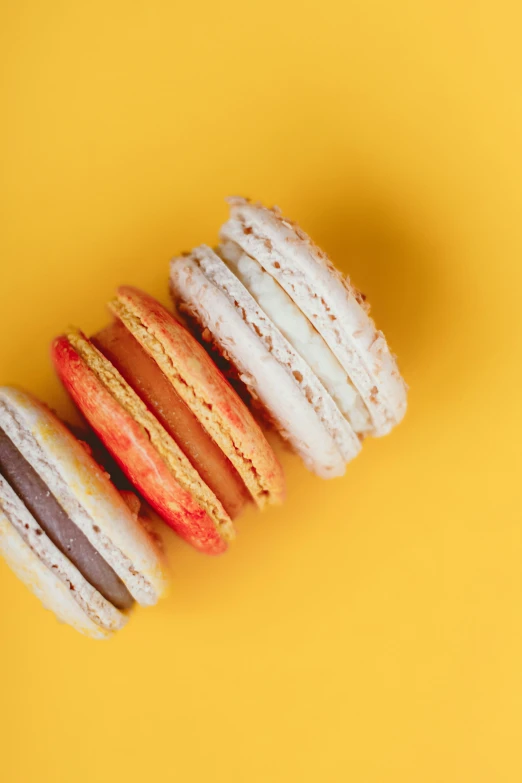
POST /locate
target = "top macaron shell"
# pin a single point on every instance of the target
(329, 301)
(205, 390)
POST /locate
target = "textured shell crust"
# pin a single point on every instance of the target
(131, 447)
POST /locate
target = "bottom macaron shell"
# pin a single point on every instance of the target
(132, 449)
(44, 583)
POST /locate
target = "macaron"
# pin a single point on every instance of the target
(170, 419)
(297, 332)
(65, 530)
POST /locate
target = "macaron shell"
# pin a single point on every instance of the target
(204, 389)
(299, 405)
(132, 449)
(97, 507)
(329, 301)
(97, 608)
(43, 583)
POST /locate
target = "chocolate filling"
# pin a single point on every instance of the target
(62, 531)
(142, 373)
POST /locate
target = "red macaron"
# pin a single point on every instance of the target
(170, 419)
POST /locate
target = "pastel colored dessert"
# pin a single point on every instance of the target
(64, 529)
(297, 333)
(170, 419)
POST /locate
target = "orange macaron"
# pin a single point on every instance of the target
(170, 419)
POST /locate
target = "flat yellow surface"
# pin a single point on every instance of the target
(369, 630)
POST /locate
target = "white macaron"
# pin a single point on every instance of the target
(45, 472)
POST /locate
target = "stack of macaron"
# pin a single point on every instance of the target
(297, 342)
(298, 334)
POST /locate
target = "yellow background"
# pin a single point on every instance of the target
(370, 630)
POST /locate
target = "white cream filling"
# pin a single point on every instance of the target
(299, 332)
